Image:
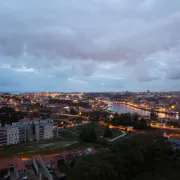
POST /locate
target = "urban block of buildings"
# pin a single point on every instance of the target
(22, 132)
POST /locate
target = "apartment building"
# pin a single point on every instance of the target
(12, 135)
(21, 132)
(44, 130)
(3, 137)
(37, 130)
(55, 128)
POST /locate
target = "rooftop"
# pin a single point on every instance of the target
(15, 161)
(46, 159)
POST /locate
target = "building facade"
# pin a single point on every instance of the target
(44, 130)
(12, 135)
(3, 137)
(22, 132)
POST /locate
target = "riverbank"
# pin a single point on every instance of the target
(146, 109)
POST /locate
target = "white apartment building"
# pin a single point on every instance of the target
(21, 132)
(44, 130)
(55, 128)
(10, 135)
(3, 137)
(38, 130)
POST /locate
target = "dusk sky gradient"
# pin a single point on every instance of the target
(94, 45)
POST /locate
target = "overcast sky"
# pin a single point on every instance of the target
(94, 45)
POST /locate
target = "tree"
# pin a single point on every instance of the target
(115, 120)
(140, 124)
(135, 117)
(145, 155)
(88, 134)
(8, 115)
(93, 167)
(143, 124)
(72, 164)
(79, 119)
(108, 132)
(117, 164)
(153, 115)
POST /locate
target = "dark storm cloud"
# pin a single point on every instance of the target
(93, 29)
(108, 42)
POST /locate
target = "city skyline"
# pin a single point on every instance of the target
(93, 46)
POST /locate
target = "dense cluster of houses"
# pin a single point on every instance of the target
(42, 166)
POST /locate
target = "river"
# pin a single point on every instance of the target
(128, 109)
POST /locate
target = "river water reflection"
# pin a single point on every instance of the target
(128, 109)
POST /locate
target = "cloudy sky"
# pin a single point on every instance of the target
(94, 45)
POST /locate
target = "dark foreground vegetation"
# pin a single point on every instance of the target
(142, 157)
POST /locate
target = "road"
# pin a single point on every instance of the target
(122, 135)
(70, 132)
(168, 128)
(81, 124)
(70, 115)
